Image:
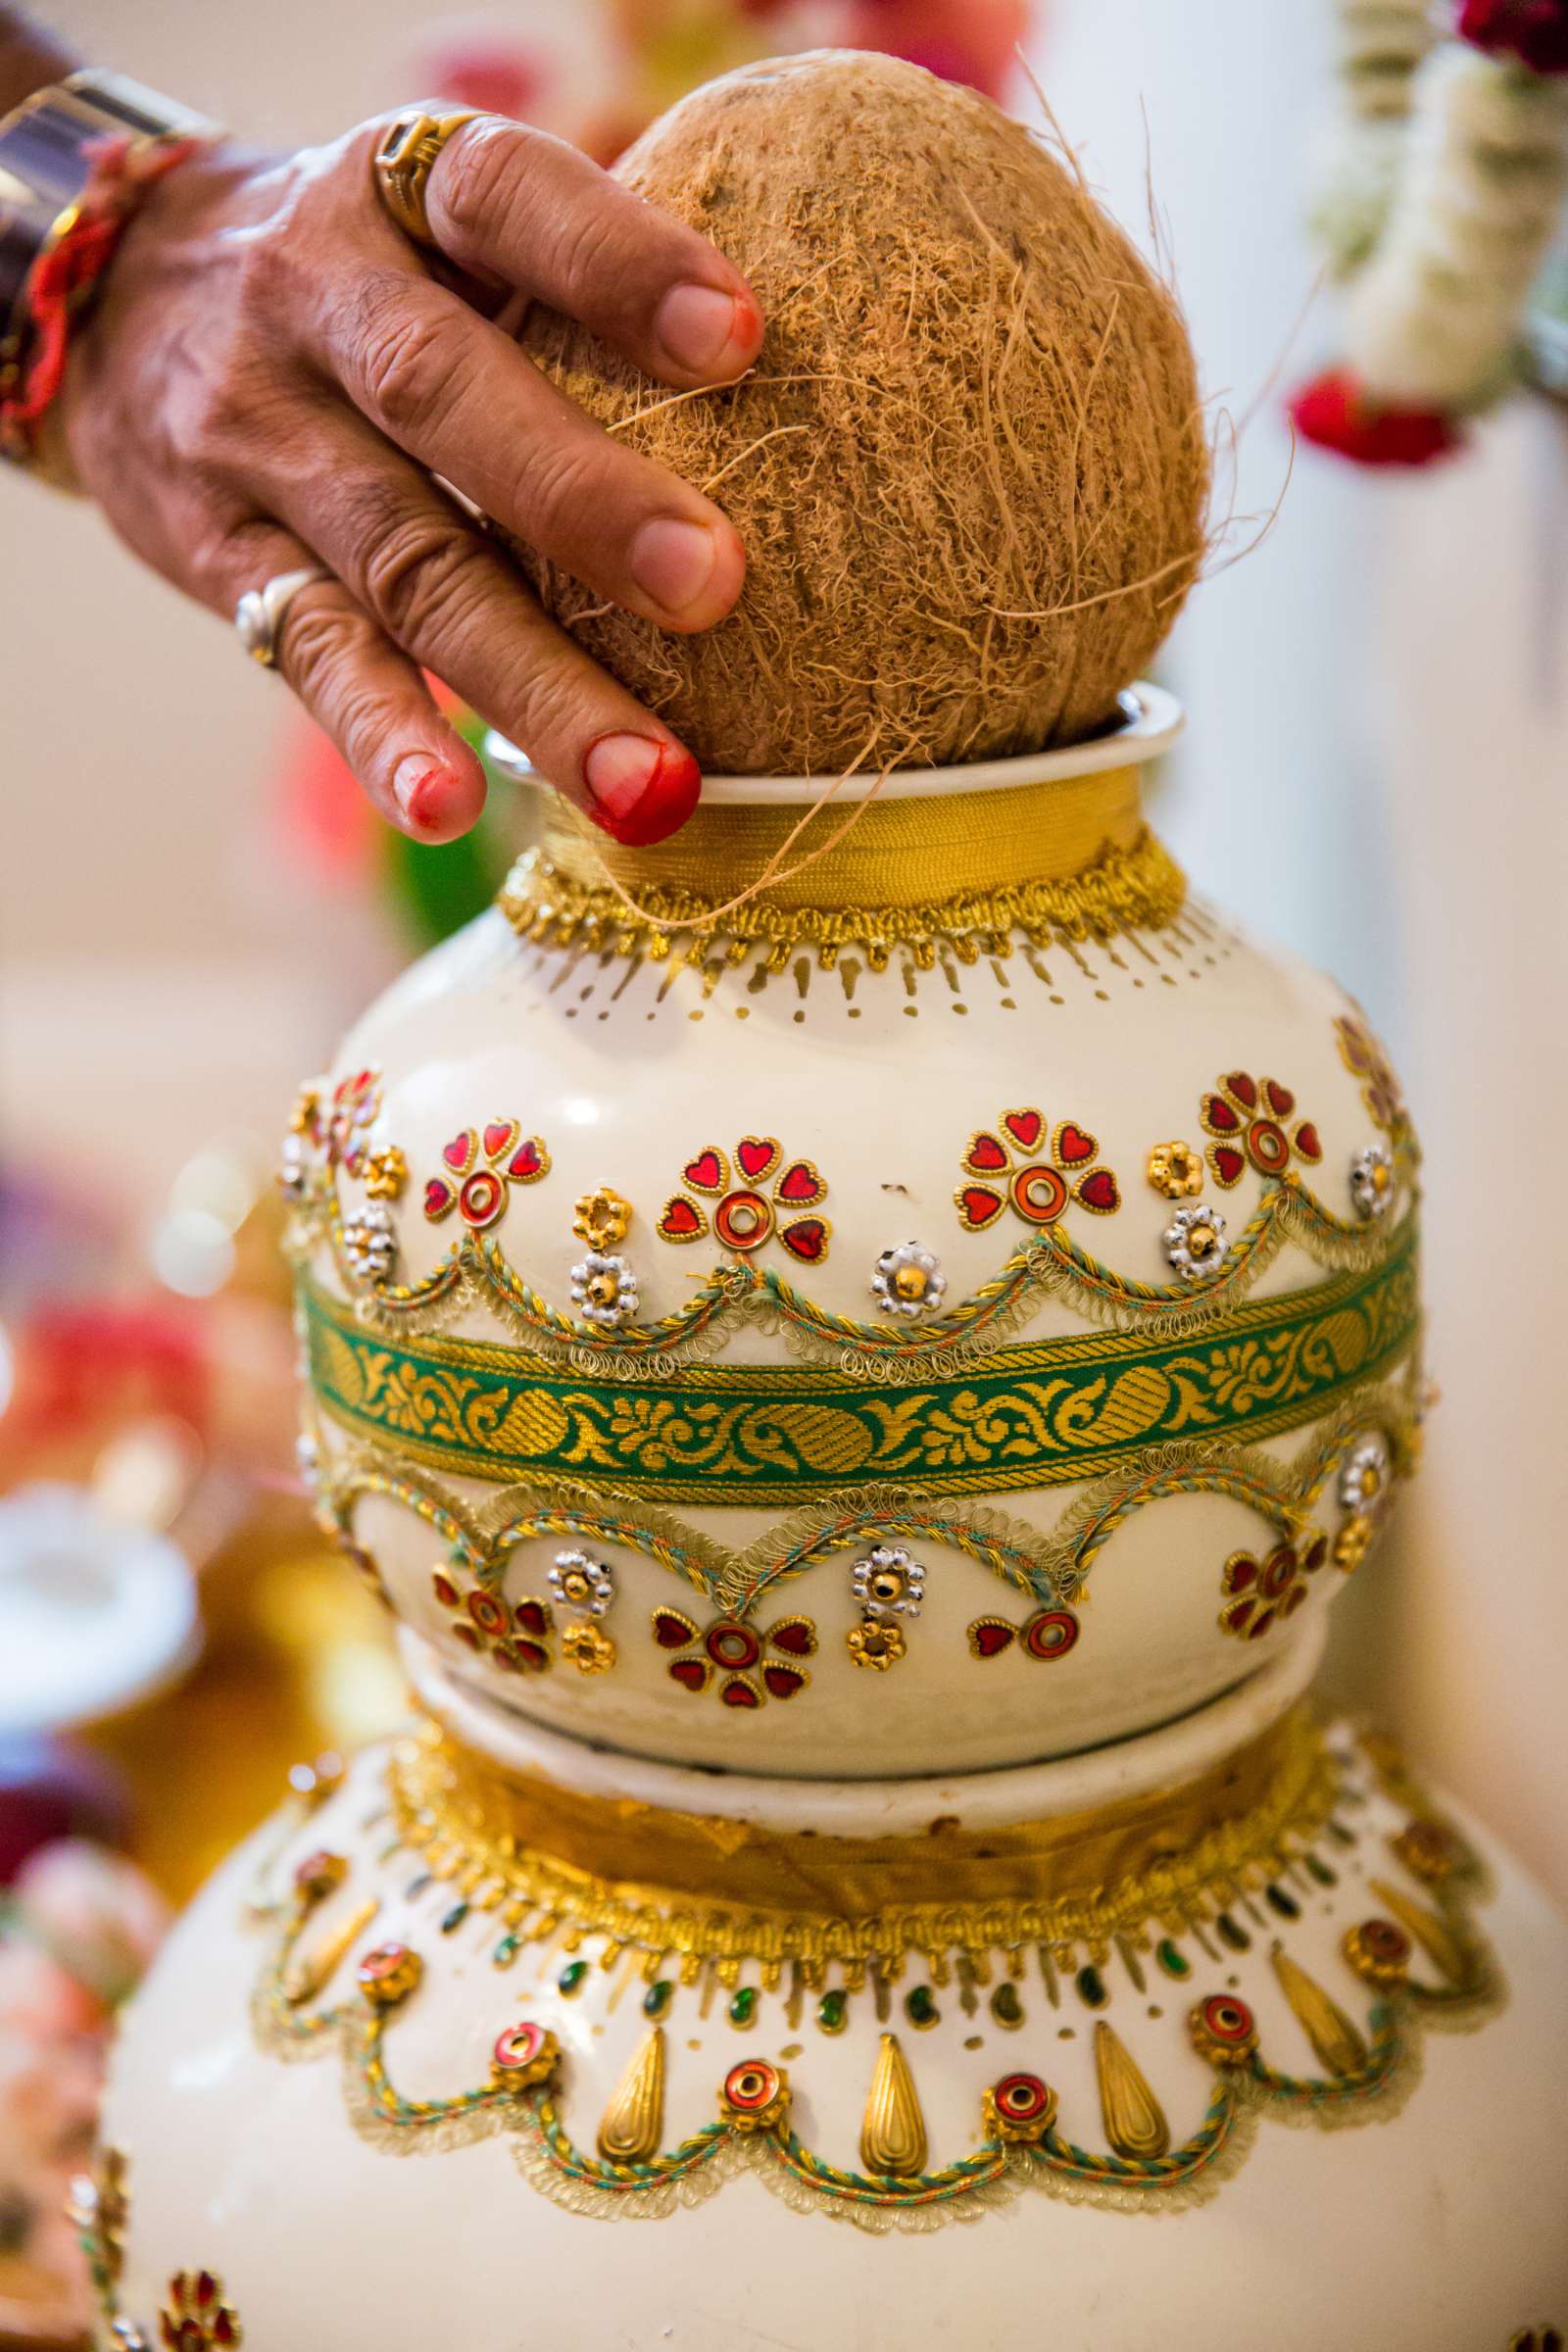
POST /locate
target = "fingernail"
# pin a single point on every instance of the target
(420, 787)
(697, 325)
(673, 561)
(643, 788)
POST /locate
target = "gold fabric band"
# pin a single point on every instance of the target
(894, 856)
(1069, 859)
(700, 1885)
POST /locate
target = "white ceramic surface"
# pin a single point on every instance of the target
(1436, 2227)
(628, 1068)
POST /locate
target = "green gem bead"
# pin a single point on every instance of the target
(507, 1950)
(832, 2010)
(1005, 2006)
(572, 1975)
(454, 1918)
(1091, 1987)
(742, 2006)
(1173, 1962)
(658, 1998)
(920, 2007)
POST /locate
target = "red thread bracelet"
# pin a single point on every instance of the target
(63, 277)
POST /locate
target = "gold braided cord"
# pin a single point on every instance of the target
(1136, 886)
(709, 1888)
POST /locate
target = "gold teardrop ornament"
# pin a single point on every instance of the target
(1337, 2044)
(1134, 2121)
(306, 1975)
(633, 2123)
(1434, 1935)
(893, 2134)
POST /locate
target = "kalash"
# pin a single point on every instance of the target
(861, 1392)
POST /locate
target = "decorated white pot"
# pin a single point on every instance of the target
(861, 1391)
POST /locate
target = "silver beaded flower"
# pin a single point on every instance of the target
(1364, 1478)
(370, 1242)
(294, 1168)
(1195, 1240)
(888, 1581)
(603, 1289)
(308, 1458)
(580, 1581)
(908, 1281)
(1372, 1181)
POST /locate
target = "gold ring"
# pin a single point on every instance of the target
(403, 164)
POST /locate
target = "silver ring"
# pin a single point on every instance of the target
(259, 615)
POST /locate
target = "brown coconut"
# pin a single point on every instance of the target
(970, 466)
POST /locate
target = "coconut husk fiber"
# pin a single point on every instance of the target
(969, 467)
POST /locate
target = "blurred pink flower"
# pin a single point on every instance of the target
(963, 41)
(94, 1913)
(471, 65)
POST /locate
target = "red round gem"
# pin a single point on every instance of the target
(752, 2085)
(518, 2046)
(1050, 1632)
(1385, 1941)
(482, 1198)
(732, 1644)
(1228, 2018)
(488, 1613)
(1277, 1571)
(1021, 2097)
(743, 1220)
(1267, 1145)
(1038, 1193)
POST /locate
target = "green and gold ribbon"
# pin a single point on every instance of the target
(1046, 1413)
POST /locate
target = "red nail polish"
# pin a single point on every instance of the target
(642, 789)
(429, 804)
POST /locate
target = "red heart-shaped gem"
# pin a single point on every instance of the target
(783, 1681)
(681, 1221)
(797, 1635)
(1244, 1088)
(499, 1138)
(1074, 1147)
(1227, 1163)
(757, 1154)
(459, 1153)
(990, 1635)
(691, 1673)
(1307, 1141)
(800, 1184)
(531, 1655)
(673, 1631)
(737, 1693)
(1218, 1116)
(533, 1617)
(1098, 1190)
(806, 1239)
(1025, 1127)
(527, 1162)
(1281, 1100)
(986, 1154)
(978, 1206)
(438, 1197)
(709, 1171)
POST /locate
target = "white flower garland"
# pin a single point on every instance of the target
(1450, 167)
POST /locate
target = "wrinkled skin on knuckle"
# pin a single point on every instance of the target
(484, 186)
(549, 712)
(402, 360)
(606, 256)
(420, 576)
(566, 493)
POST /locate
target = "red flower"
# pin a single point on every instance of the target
(1335, 412)
(1535, 31)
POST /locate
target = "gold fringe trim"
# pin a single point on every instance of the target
(709, 1888)
(1136, 888)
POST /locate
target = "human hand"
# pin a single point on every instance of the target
(275, 374)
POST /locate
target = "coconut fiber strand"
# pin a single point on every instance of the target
(969, 467)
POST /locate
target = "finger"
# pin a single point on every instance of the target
(446, 595)
(512, 203)
(368, 695)
(456, 395)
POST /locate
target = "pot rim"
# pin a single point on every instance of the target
(1150, 722)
